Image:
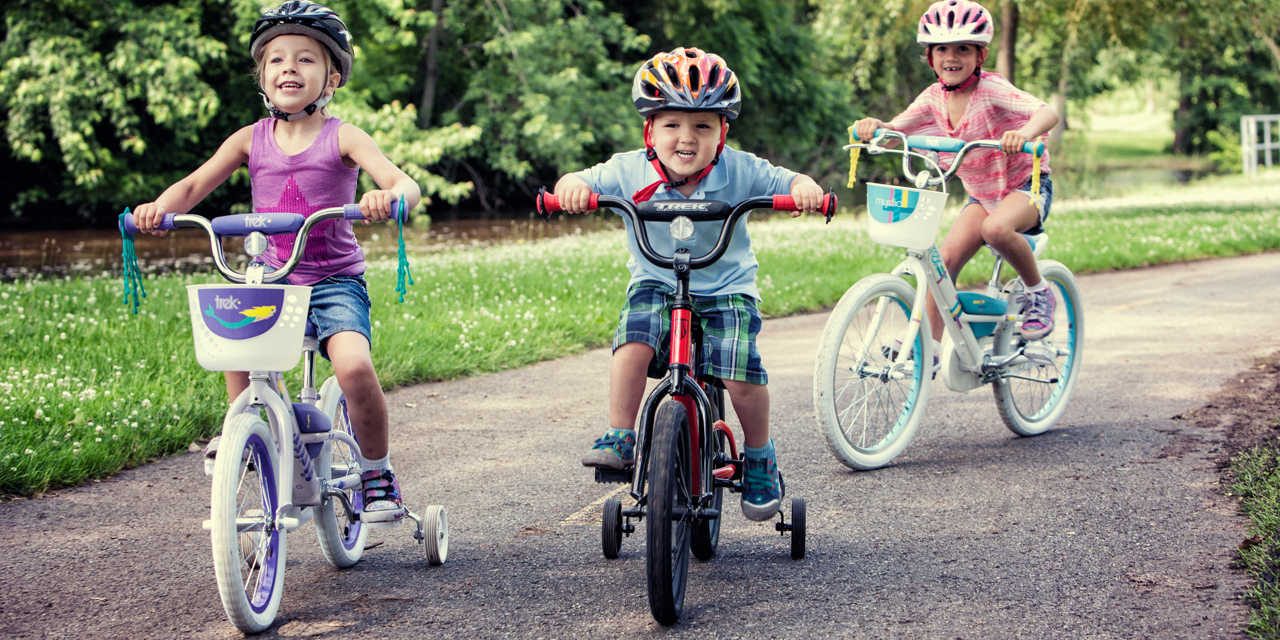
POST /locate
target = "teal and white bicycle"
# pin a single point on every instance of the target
(869, 391)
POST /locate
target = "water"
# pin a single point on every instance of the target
(25, 254)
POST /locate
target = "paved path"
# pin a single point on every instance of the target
(1110, 526)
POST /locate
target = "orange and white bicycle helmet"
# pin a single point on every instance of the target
(686, 79)
(954, 21)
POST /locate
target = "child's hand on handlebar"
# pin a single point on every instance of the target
(376, 204)
(574, 195)
(807, 195)
(866, 128)
(1011, 142)
(147, 217)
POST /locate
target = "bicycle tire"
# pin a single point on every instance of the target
(611, 529)
(1031, 407)
(670, 513)
(341, 534)
(868, 410)
(248, 549)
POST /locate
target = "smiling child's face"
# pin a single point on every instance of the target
(296, 72)
(686, 141)
(954, 63)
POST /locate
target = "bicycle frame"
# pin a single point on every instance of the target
(298, 485)
(680, 383)
(926, 265)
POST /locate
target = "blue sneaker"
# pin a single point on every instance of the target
(616, 449)
(382, 502)
(761, 489)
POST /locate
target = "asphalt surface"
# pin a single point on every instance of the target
(1112, 525)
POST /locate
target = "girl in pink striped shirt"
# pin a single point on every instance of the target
(970, 104)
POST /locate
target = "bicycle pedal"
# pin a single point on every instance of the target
(612, 476)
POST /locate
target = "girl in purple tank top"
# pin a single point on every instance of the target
(301, 160)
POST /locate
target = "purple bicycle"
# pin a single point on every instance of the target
(279, 463)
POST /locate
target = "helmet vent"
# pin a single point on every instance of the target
(670, 70)
(695, 80)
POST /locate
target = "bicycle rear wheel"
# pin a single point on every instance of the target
(248, 546)
(1033, 391)
(868, 407)
(706, 532)
(670, 517)
(338, 527)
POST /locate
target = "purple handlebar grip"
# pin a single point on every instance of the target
(166, 224)
(352, 212)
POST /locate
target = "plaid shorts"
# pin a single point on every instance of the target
(729, 325)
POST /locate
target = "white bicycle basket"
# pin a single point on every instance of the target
(902, 216)
(248, 328)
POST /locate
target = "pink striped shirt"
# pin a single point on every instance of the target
(995, 106)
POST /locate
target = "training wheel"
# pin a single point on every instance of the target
(797, 528)
(611, 528)
(436, 535)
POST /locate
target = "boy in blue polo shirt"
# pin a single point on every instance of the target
(687, 97)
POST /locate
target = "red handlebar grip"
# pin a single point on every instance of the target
(787, 203)
(549, 203)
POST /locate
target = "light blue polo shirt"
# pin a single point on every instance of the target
(737, 176)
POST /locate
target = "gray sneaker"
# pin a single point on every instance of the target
(616, 449)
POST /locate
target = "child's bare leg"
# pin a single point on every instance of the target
(962, 242)
(628, 372)
(237, 382)
(751, 403)
(353, 367)
(1002, 230)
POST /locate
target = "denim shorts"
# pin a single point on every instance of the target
(1046, 195)
(339, 303)
(729, 325)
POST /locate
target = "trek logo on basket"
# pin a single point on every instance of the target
(896, 207)
(240, 313)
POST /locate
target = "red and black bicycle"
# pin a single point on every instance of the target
(686, 455)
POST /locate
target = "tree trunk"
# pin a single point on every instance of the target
(1181, 117)
(430, 67)
(1006, 59)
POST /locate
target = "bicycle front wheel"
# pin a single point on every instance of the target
(670, 517)
(248, 546)
(869, 407)
(1032, 392)
(338, 526)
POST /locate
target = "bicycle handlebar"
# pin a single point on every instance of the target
(934, 143)
(950, 145)
(267, 223)
(668, 210)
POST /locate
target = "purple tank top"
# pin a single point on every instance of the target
(304, 183)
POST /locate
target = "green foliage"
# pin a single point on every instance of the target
(109, 103)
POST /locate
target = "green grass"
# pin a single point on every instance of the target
(88, 388)
(1257, 483)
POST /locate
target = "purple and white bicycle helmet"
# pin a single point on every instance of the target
(954, 21)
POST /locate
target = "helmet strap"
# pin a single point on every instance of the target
(651, 154)
(306, 111)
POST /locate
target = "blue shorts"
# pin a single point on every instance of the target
(339, 303)
(1046, 195)
(729, 325)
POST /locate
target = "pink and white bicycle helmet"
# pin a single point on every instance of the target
(952, 21)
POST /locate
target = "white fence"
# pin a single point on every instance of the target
(1260, 141)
